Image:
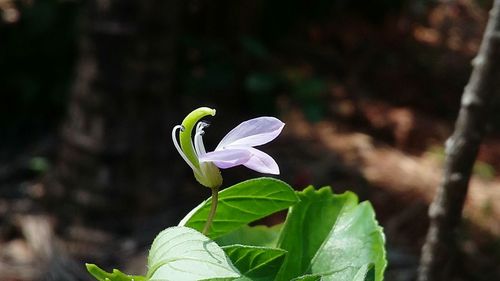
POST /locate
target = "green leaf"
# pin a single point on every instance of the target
(242, 278)
(116, 275)
(351, 273)
(259, 235)
(241, 204)
(39, 164)
(366, 273)
(307, 225)
(181, 253)
(332, 236)
(256, 263)
(356, 242)
(308, 277)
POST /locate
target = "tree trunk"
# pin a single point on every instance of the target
(440, 249)
(115, 148)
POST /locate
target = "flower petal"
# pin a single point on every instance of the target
(253, 132)
(261, 162)
(226, 158)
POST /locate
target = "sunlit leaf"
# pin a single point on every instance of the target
(116, 275)
(332, 236)
(181, 253)
(307, 225)
(241, 204)
(356, 242)
(308, 277)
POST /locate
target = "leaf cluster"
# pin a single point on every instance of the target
(325, 236)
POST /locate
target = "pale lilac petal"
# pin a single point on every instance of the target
(261, 162)
(253, 132)
(226, 158)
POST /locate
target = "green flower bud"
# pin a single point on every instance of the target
(206, 173)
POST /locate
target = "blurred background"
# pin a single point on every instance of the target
(90, 91)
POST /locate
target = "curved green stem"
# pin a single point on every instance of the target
(213, 209)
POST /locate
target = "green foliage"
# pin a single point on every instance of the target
(259, 235)
(331, 235)
(39, 164)
(354, 245)
(484, 170)
(308, 224)
(256, 263)
(325, 236)
(181, 253)
(241, 204)
(309, 277)
(116, 275)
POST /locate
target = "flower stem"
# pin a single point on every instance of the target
(213, 208)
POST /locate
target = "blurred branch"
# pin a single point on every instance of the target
(438, 253)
